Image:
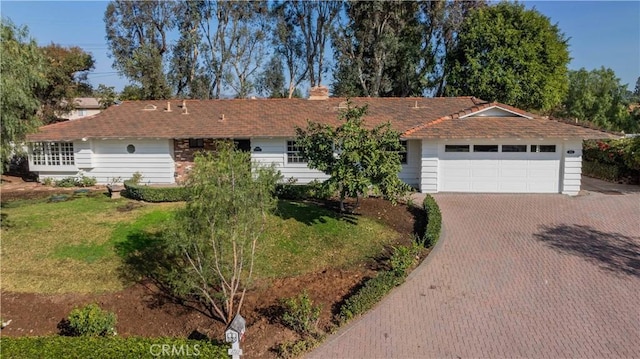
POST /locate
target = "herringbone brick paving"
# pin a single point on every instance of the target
(533, 276)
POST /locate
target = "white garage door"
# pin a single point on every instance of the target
(499, 168)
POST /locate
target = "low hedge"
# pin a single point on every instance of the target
(293, 191)
(154, 194)
(369, 295)
(434, 221)
(605, 171)
(55, 347)
(377, 287)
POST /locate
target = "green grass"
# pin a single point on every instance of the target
(70, 246)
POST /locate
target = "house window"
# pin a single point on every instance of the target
(196, 143)
(403, 153)
(543, 148)
(514, 148)
(485, 148)
(293, 153)
(82, 112)
(456, 148)
(52, 154)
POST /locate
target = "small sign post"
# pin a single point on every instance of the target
(234, 335)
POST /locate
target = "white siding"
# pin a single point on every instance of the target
(107, 160)
(429, 168)
(410, 173)
(274, 150)
(572, 168)
(83, 154)
(152, 158)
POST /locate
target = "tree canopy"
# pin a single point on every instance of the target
(23, 69)
(67, 70)
(358, 160)
(598, 97)
(512, 55)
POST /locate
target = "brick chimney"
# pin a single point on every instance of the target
(319, 93)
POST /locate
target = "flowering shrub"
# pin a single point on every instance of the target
(612, 159)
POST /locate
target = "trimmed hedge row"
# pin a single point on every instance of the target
(369, 295)
(603, 171)
(434, 221)
(155, 194)
(377, 287)
(55, 347)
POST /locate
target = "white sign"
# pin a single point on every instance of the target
(235, 351)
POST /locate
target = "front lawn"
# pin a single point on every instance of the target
(62, 247)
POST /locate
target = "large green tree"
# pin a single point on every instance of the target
(358, 160)
(301, 35)
(137, 35)
(509, 54)
(23, 69)
(598, 97)
(382, 50)
(67, 70)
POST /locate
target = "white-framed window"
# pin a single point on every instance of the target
(293, 153)
(543, 148)
(52, 153)
(82, 112)
(403, 152)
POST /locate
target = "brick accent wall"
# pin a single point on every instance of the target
(184, 156)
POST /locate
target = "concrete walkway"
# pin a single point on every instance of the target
(535, 276)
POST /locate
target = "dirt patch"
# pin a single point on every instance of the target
(142, 311)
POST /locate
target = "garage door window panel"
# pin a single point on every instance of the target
(456, 148)
(514, 148)
(485, 148)
(543, 148)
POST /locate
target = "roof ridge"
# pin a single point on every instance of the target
(583, 125)
(476, 107)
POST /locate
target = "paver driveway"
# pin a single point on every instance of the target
(537, 276)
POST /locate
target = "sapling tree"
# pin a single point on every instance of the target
(216, 235)
(358, 160)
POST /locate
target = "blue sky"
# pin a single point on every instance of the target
(601, 33)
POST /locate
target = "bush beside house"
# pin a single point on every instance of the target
(155, 194)
(613, 160)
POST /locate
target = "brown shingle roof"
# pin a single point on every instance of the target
(244, 118)
(456, 125)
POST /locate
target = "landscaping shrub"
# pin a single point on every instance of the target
(434, 220)
(55, 347)
(403, 258)
(136, 178)
(612, 160)
(300, 314)
(155, 194)
(91, 321)
(369, 295)
(295, 349)
(292, 191)
(79, 181)
(605, 171)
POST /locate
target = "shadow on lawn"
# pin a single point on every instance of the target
(311, 213)
(610, 251)
(147, 259)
